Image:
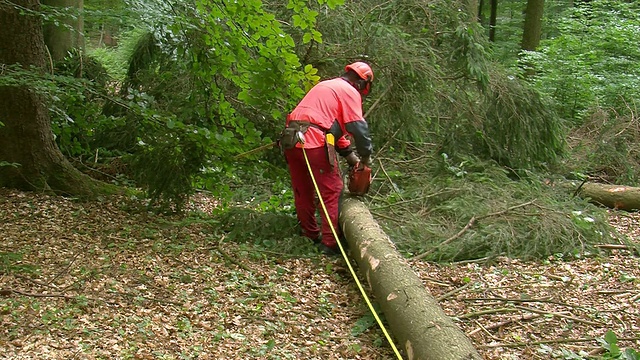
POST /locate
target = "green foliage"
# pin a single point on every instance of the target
(275, 232)
(606, 147)
(77, 94)
(594, 61)
(205, 81)
(515, 216)
(520, 130)
(117, 60)
(609, 343)
(11, 262)
(511, 125)
(436, 89)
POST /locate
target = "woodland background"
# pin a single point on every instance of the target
(487, 116)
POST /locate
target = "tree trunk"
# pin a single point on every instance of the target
(26, 137)
(613, 196)
(472, 10)
(532, 29)
(60, 38)
(493, 16)
(416, 320)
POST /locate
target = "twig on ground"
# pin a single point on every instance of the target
(453, 292)
(486, 331)
(218, 248)
(547, 301)
(573, 318)
(7, 292)
(505, 322)
(387, 217)
(163, 301)
(486, 312)
(617, 247)
(66, 269)
(553, 341)
(464, 229)
(51, 286)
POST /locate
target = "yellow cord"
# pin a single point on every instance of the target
(344, 255)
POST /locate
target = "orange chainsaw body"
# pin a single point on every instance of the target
(359, 180)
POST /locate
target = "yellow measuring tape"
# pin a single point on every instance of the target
(344, 255)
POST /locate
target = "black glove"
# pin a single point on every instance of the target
(352, 159)
(365, 161)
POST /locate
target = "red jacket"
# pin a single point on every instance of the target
(334, 106)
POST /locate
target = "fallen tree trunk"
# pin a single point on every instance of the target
(416, 320)
(613, 196)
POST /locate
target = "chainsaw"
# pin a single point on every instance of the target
(359, 179)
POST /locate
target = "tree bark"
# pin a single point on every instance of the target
(25, 136)
(416, 320)
(66, 35)
(612, 196)
(532, 29)
(493, 17)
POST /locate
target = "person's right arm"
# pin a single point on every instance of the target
(359, 131)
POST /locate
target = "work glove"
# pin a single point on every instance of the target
(365, 161)
(352, 159)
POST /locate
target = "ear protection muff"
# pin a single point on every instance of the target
(364, 86)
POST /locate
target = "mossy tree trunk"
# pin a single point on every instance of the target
(532, 29)
(25, 133)
(416, 320)
(66, 33)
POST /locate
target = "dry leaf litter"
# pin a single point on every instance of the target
(96, 282)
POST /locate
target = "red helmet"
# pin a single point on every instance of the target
(365, 73)
(362, 69)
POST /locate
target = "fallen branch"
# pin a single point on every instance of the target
(505, 322)
(547, 301)
(588, 322)
(617, 247)
(413, 200)
(486, 312)
(218, 248)
(66, 269)
(554, 341)
(8, 292)
(471, 222)
(453, 292)
(51, 286)
(393, 185)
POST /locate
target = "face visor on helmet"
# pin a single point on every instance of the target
(366, 76)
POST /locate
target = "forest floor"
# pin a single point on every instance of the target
(99, 281)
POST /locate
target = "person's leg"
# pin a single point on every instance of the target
(330, 185)
(303, 193)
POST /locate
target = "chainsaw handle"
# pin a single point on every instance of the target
(359, 166)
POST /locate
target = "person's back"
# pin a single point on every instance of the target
(328, 101)
(314, 135)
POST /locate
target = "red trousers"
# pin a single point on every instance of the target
(329, 182)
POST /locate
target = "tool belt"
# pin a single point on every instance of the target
(294, 134)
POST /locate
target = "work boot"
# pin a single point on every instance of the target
(328, 251)
(315, 239)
